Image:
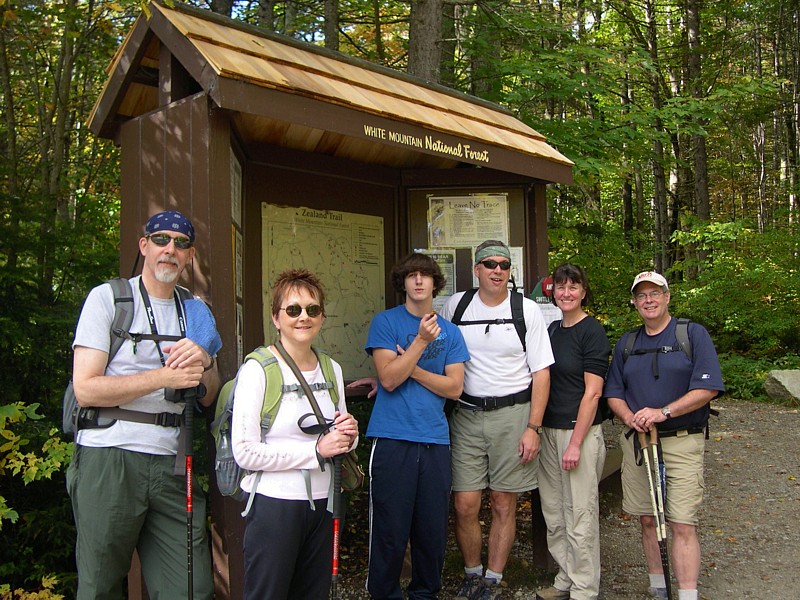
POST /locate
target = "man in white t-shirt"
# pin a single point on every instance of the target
(494, 429)
(122, 480)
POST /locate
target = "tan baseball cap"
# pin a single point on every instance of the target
(652, 277)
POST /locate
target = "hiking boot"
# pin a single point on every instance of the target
(660, 593)
(469, 587)
(489, 590)
(552, 593)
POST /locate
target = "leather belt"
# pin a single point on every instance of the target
(494, 402)
(681, 432)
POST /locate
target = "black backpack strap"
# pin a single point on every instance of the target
(630, 340)
(518, 315)
(682, 334)
(462, 306)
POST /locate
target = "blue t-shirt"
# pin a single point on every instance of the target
(412, 412)
(635, 382)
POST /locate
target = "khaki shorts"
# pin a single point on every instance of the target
(484, 450)
(683, 459)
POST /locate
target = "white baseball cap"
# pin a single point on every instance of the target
(652, 277)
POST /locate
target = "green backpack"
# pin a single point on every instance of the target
(229, 474)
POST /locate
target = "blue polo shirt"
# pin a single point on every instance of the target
(635, 381)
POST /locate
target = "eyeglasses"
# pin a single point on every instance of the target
(295, 310)
(654, 295)
(505, 265)
(162, 239)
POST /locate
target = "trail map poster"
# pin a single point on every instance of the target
(346, 251)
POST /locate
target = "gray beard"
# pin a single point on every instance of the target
(166, 275)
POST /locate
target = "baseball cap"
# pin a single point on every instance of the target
(650, 276)
(170, 220)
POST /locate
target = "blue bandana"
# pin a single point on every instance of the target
(170, 220)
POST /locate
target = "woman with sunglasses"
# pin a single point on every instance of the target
(572, 447)
(289, 531)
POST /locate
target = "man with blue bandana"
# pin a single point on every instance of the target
(125, 492)
(494, 429)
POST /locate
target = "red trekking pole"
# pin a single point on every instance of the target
(337, 523)
(189, 424)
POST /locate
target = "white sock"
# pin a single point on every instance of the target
(687, 595)
(498, 577)
(474, 570)
(657, 580)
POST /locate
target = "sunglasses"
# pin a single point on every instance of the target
(295, 310)
(505, 265)
(162, 239)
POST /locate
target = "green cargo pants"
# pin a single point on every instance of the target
(123, 500)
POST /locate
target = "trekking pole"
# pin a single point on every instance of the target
(189, 396)
(337, 523)
(657, 498)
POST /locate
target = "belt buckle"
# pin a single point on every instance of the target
(490, 403)
(166, 419)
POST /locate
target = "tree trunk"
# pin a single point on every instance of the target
(424, 39)
(332, 24)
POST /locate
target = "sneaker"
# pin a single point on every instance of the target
(660, 593)
(469, 587)
(489, 590)
(552, 593)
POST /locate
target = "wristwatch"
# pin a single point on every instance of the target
(666, 412)
(536, 428)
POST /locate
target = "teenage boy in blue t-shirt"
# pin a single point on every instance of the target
(419, 359)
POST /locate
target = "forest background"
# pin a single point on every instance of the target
(682, 118)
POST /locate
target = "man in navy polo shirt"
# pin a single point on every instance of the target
(658, 385)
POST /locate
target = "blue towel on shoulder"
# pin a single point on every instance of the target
(201, 327)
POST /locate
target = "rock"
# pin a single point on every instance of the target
(783, 385)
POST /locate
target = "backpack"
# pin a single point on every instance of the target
(229, 474)
(602, 405)
(517, 314)
(684, 345)
(71, 413)
(681, 333)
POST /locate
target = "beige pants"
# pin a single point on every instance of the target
(570, 504)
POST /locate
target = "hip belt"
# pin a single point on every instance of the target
(681, 432)
(88, 418)
(495, 402)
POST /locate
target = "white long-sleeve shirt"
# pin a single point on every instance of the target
(285, 450)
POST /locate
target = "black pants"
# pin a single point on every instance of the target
(288, 550)
(409, 500)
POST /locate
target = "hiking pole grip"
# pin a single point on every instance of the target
(337, 523)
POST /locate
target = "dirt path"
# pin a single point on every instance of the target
(749, 531)
(749, 536)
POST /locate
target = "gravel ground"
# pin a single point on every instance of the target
(749, 534)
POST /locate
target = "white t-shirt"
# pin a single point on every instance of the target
(285, 450)
(92, 331)
(498, 366)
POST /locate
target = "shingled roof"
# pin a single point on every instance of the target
(288, 93)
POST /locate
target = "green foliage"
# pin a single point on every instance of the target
(39, 536)
(45, 591)
(745, 375)
(748, 296)
(610, 262)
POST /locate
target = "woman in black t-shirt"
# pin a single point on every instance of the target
(572, 448)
